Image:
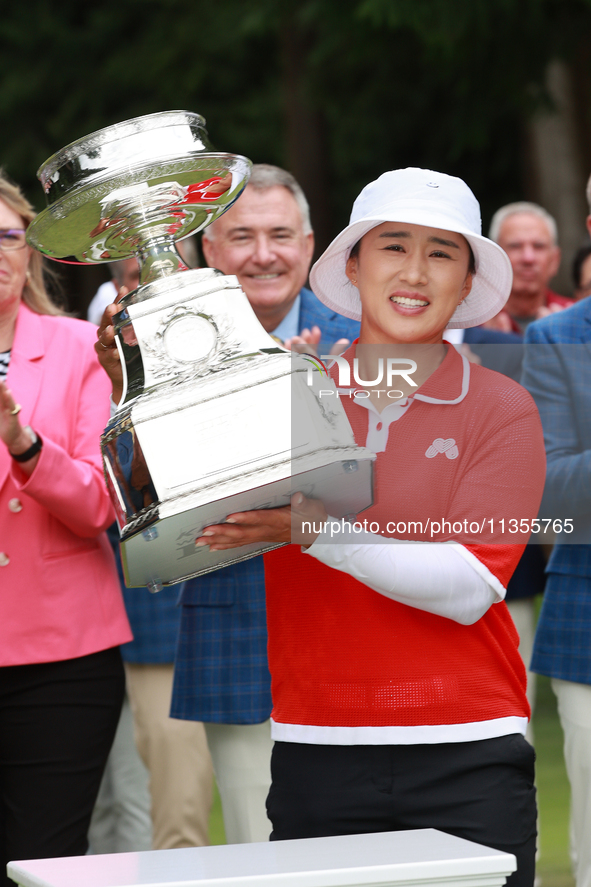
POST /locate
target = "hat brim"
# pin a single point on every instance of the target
(491, 284)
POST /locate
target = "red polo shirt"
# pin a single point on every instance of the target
(350, 666)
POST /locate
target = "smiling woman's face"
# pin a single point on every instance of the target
(13, 266)
(410, 279)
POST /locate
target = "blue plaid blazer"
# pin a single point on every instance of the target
(154, 618)
(221, 673)
(557, 372)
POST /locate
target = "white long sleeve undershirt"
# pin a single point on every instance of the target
(441, 578)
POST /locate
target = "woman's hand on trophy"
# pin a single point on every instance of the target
(307, 517)
(292, 523)
(106, 347)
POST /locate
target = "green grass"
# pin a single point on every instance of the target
(217, 834)
(553, 795)
(554, 867)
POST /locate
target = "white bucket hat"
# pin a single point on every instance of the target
(417, 197)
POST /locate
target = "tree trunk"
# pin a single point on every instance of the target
(305, 142)
(558, 178)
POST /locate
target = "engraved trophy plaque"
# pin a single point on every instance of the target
(204, 427)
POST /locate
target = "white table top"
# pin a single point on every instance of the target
(409, 857)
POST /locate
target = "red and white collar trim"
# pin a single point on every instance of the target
(465, 383)
(454, 367)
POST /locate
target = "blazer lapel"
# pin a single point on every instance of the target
(25, 371)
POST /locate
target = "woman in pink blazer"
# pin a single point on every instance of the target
(61, 613)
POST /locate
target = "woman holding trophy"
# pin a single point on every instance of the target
(61, 613)
(398, 691)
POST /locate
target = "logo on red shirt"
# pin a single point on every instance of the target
(439, 445)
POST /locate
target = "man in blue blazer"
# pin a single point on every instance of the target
(502, 359)
(557, 372)
(503, 352)
(221, 672)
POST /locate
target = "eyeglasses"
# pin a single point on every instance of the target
(12, 238)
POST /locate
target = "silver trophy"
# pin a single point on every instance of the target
(215, 416)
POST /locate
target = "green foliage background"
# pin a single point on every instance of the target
(336, 90)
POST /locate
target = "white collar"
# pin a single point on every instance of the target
(463, 392)
(425, 397)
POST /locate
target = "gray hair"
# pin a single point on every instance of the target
(532, 209)
(588, 193)
(265, 176)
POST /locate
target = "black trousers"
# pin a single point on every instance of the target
(57, 723)
(483, 791)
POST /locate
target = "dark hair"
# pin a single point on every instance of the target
(355, 251)
(581, 254)
(471, 260)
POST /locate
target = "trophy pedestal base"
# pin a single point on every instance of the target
(165, 553)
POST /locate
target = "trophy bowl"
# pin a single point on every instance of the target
(210, 401)
(134, 189)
